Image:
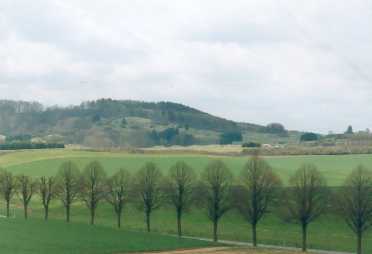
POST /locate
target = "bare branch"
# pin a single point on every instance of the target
(355, 202)
(118, 192)
(68, 183)
(218, 179)
(259, 185)
(306, 198)
(148, 187)
(93, 187)
(179, 189)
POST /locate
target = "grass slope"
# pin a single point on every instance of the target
(329, 232)
(46, 162)
(38, 237)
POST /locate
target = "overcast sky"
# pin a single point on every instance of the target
(306, 64)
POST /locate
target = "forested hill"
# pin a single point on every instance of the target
(114, 123)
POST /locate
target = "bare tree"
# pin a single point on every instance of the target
(68, 182)
(118, 192)
(355, 202)
(7, 188)
(259, 184)
(93, 187)
(179, 189)
(148, 186)
(47, 192)
(306, 197)
(217, 179)
(26, 188)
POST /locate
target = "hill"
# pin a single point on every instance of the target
(125, 123)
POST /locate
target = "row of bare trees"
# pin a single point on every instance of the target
(255, 193)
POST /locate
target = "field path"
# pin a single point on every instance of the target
(264, 246)
(194, 251)
(233, 250)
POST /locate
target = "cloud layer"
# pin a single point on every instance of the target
(306, 64)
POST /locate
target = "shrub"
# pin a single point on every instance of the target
(230, 137)
(309, 136)
(251, 145)
(276, 128)
(21, 146)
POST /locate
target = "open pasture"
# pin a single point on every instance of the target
(46, 162)
(329, 232)
(39, 237)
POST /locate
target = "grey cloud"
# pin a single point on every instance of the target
(305, 64)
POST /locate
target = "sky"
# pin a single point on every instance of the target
(305, 64)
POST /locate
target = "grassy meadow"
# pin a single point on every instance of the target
(329, 232)
(46, 162)
(35, 236)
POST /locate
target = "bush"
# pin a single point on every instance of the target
(171, 136)
(18, 138)
(276, 128)
(251, 145)
(230, 137)
(21, 146)
(309, 136)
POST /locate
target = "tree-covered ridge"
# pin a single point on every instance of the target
(8, 106)
(119, 123)
(161, 112)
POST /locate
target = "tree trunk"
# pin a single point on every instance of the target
(119, 219)
(67, 213)
(92, 215)
(148, 221)
(179, 225)
(304, 237)
(359, 243)
(254, 234)
(7, 209)
(25, 209)
(215, 229)
(46, 212)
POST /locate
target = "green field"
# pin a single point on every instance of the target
(38, 237)
(46, 162)
(329, 232)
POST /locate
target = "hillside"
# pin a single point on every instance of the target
(114, 123)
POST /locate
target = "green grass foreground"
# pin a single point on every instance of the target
(57, 237)
(329, 232)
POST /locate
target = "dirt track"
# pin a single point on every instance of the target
(226, 250)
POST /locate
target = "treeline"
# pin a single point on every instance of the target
(112, 123)
(161, 113)
(14, 107)
(22, 117)
(24, 141)
(28, 145)
(251, 148)
(171, 136)
(256, 192)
